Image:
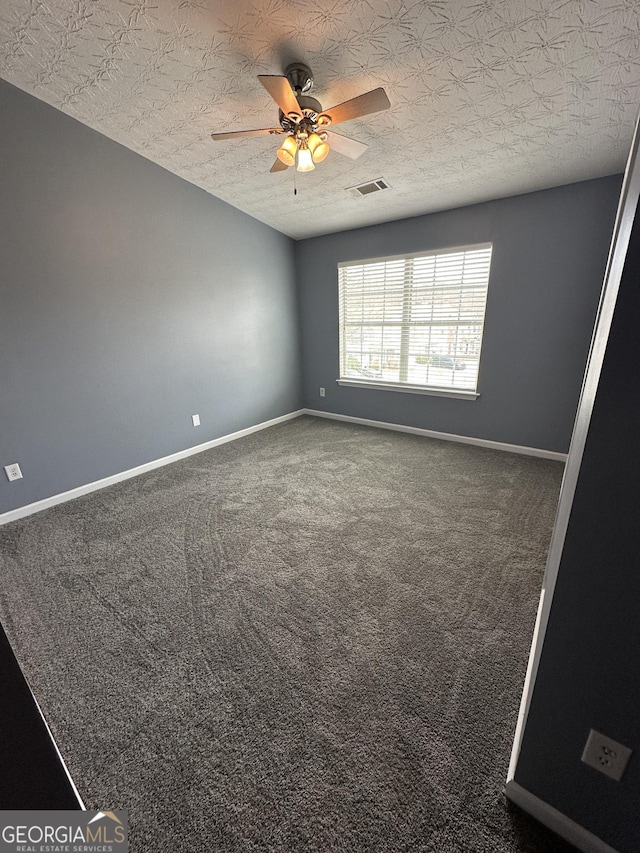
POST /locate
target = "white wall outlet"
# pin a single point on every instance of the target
(196, 420)
(322, 392)
(13, 472)
(606, 755)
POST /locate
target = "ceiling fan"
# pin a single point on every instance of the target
(308, 140)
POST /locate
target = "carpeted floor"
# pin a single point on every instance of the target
(310, 639)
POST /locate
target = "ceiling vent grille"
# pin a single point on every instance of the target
(368, 188)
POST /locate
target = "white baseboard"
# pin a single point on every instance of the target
(556, 820)
(445, 436)
(62, 497)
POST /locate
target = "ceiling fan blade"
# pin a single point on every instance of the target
(279, 166)
(371, 102)
(343, 145)
(237, 134)
(281, 92)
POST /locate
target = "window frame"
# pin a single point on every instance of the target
(407, 387)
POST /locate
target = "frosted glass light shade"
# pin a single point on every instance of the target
(287, 151)
(305, 160)
(318, 146)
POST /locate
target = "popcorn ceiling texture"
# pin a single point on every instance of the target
(489, 97)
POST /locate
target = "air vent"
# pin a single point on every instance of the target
(368, 188)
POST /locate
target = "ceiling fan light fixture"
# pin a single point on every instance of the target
(305, 124)
(305, 160)
(318, 146)
(287, 151)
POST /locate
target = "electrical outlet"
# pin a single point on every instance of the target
(606, 755)
(13, 472)
(322, 392)
(196, 420)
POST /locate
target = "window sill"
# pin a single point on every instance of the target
(409, 389)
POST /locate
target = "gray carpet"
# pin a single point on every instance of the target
(311, 639)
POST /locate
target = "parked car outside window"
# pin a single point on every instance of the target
(438, 360)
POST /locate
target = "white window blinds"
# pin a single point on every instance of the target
(415, 320)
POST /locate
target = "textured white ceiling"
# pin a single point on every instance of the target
(488, 97)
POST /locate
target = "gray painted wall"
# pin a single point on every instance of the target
(588, 675)
(549, 255)
(129, 300)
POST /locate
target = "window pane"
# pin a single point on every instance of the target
(416, 320)
(372, 352)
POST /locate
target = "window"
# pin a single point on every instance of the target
(415, 322)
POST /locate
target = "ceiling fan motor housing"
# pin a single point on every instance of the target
(311, 109)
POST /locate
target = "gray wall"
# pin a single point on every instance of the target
(129, 300)
(589, 669)
(549, 255)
